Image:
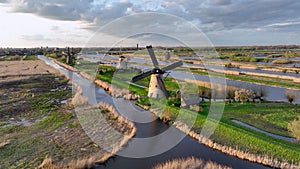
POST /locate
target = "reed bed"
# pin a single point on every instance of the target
(115, 91)
(294, 128)
(189, 163)
(68, 67)
(86, 163)
(273, 76)
(78, 99)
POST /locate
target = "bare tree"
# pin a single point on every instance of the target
(230, 93)
(291, 96)
(202, 94)
(260, 93)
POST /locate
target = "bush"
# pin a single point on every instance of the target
(243, 95)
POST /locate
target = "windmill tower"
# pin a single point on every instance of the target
(70, 58)
(122, 63)
(157, 88)
(168, 55)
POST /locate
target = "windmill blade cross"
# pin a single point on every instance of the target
(172, 66)
(162, 85)
(152, 56)
(141, 76)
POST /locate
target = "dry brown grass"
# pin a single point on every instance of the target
(229, 72)
(120, 121)
(64, 65)
(75, 164)
(294, 128)
(265, 160)
(272, 76)
(4, 143)
(18, 70)
(78, 99)
(189, 163)
(115, 91)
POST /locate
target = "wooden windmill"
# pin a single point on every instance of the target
(157, 88)
(122, 63)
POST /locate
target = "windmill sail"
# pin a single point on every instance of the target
(141, 76)
(152, 56)
(157, 88)
(172, 66)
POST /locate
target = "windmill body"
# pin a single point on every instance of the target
(157, 88)
(155, 91)
(122, 63)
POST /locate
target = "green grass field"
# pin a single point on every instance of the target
(268, 116)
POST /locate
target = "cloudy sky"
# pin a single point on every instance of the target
(30, 23)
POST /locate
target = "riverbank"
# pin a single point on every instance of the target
(38, 124)
(117, 122)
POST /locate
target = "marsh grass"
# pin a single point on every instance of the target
(85, 163)
(294, 128)
(189, 163)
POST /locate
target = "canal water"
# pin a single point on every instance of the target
(187, 147)
(276, 94)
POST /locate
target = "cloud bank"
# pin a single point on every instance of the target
(211, 16)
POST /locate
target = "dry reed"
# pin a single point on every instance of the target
(294, 128)
(189, 163)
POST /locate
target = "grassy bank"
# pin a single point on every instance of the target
(272, 117)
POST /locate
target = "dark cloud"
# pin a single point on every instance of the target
(220, 2)
(244, 14)
(54, 9)
(210, 15)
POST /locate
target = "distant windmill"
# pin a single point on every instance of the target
(157, 88)
(122, 63)
(168, 55)
(69, 56)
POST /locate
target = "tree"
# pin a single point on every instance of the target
(202, 94)
(243, 95)
(291, 96)
(260, 93)
(230, 93)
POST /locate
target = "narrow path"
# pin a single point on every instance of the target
(289, 139)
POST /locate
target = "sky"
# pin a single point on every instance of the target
(35, 23)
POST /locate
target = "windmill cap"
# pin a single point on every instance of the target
(157, 71)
